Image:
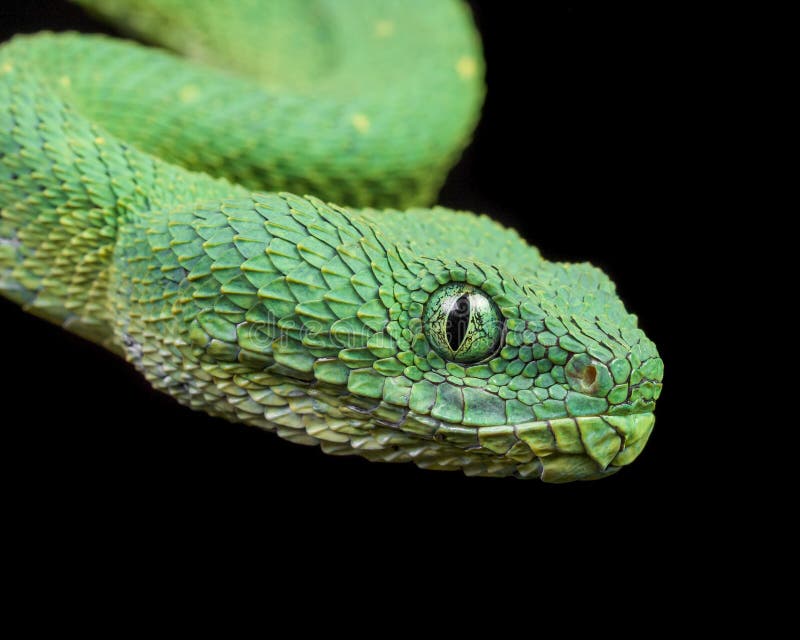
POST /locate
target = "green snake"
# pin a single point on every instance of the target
(147, 203)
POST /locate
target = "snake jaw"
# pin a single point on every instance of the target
(556, 451)
(559, 450)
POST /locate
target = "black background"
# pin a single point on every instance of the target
(578, 148)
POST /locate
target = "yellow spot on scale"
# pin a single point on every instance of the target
(189, 93)
(466, 67)
(6, 68)
(384, 28)
(360, 122)
(99, 140)
(64, 81)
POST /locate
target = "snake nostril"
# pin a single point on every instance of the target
(586, 375)
(589, 376)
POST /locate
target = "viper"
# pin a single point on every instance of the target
(243, 215)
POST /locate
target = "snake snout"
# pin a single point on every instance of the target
(629, 384)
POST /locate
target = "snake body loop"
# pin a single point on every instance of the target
(147, 203)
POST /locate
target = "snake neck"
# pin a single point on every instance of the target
(61, 211)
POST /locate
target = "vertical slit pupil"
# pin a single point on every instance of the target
(457, 322)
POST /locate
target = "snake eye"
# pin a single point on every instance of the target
(462, 323)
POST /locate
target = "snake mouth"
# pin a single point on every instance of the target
(567, 449)
(553, 450)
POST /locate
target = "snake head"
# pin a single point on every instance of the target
(435, 337)
(545, 375)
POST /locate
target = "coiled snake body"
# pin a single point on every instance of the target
(146, 203)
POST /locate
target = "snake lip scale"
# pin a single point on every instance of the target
(148, 203)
